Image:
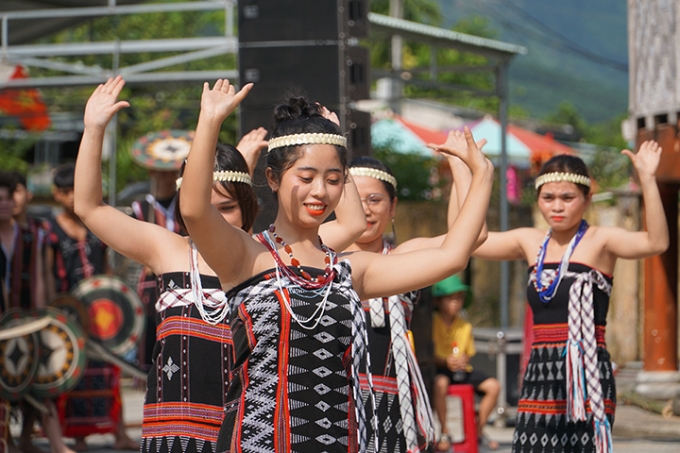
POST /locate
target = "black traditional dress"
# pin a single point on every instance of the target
(187, 384)
(542, 422)
(295, 388)
(94, 406)
(403, 407)
(162, 213)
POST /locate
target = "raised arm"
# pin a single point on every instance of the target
(229, 251)
(350, 220)
(459, 191)
(140, 241)
(382, 275)
(250, 146)
(642, 244)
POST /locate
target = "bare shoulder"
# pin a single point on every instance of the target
(529, 240)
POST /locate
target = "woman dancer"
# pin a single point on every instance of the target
(399, 389)
(299, 333)
(185, 398)
(568, 396)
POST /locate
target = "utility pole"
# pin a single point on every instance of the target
(396, 85)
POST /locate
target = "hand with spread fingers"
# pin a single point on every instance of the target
(222, 99)
(646, 160)
(463, 146)
(103, 103)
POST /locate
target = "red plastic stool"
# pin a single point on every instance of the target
(466, 394)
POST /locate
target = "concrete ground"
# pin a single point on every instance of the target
(635, 430)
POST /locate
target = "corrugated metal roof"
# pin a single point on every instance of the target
(469, 41)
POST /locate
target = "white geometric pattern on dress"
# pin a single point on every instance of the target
(170, 368)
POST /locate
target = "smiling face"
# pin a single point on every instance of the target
(311, 188)
(378, 208)
(562, 204)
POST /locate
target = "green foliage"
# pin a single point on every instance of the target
(421, 11)
(153, 106)
(13, 152)
(412, 171)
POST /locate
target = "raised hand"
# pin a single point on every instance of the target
(331, 116)
(219, 101)
(250, 146)
(646, 161)
(103, 103)
(462, 145)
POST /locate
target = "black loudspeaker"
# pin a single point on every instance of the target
(301, 20)
(303, 47)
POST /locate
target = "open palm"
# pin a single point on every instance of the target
(646, 160)
(103, 103)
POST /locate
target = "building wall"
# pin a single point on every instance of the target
(654, 61)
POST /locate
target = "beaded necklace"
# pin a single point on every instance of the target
(546, 294)
(309, 281)
(316, 286)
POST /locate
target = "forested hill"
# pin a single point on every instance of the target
(578, 51)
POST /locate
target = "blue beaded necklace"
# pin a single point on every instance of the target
(547, 293)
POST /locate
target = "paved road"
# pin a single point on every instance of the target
(641, 443)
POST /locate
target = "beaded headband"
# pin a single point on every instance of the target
(225, 176)
(307, 139)
(558, 177)
(374, 173)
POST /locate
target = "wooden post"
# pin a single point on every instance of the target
(661, 283)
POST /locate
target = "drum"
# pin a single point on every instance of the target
(62, 354)
(74, 308)
(18, 354)
(115, 312)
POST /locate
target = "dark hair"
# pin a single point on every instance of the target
(19, 178)
(228, 158)
(372, 162)
(298, 116)
(63, 176)
(565, 163)
(8, 181)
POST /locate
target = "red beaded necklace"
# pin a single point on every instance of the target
(328, 273)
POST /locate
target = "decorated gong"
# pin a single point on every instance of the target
(164, 150)
(115, 312)
(62, 354)
(74, 308)
(18, 354)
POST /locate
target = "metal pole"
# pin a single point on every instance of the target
(113, 132)
(396, 10)
(502, 86)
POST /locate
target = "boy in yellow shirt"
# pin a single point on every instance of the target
(453, 347)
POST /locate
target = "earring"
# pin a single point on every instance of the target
(394, 233)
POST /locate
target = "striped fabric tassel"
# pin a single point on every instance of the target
(603, 436)
(424, 417)
(576, 386)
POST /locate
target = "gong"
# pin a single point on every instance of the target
(18, 354)
(62, 355)
(74, 308)
(114, 310)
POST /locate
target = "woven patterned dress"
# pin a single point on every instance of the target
(294, 389)
(393, 364)
(542, 424)
(187, 383)
(94, 406)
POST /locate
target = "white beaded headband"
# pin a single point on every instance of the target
(225, 176)
(558, 177)
(307, 139)
(374, 173)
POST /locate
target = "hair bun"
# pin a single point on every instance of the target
(296, 107)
